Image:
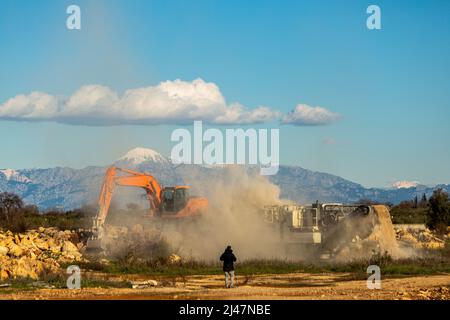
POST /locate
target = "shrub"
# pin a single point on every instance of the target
(438, 216)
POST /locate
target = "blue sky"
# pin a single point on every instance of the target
(391, 87)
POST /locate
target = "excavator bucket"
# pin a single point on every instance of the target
(94, 242)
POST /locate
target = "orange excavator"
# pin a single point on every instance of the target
(165, 202)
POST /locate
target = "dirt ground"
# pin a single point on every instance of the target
(287, 286)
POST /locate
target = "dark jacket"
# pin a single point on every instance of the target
(228, 259)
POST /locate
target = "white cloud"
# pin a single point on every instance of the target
(304, 115)
(36, 105)
(236, 114)
(170, 102)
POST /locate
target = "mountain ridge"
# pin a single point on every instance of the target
(69, 188)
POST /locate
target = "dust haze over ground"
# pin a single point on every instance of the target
(235, 198)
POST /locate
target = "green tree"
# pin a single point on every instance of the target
(438, 216)
(424, 197)
(423, 201)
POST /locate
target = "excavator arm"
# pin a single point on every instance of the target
(191, 206)
(134, 179)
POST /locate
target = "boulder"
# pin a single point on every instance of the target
(15, 250)
(69, 247)
(3, 250)
(42, 245)
(143, 284)
(4, 274)
(174, 259)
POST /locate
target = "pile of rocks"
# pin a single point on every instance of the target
(439, 293)
(31, 254)
(418, 237)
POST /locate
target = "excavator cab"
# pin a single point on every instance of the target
(167, 203)
(174, 199)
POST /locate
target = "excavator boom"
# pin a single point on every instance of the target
(170, 202)
(136, 179)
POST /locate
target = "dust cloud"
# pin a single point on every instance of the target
(236, 197)
(234, 218)
(362, 237)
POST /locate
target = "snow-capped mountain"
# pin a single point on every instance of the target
(137, 156)
(69, 188)
(405, 184)
(13, 175)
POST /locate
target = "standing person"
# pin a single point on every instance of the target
(228, 259)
